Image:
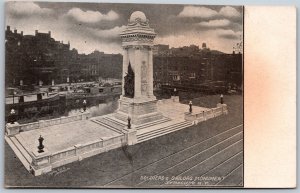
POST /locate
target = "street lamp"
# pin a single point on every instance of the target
(190, 104)
(12, 116)
(84, 105)
(221, 99)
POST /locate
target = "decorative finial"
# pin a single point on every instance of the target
(41, 146)
(129, 122)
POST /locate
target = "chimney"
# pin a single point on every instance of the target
(36, 32)
(21, 33)
(8, 28)
(49, 32)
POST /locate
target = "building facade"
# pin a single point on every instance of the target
(41, 60)
(198, 69)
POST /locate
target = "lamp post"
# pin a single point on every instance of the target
(12, 116)
(190, 104)
(84, 105)
(221, 99)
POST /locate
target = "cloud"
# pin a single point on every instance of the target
(201, 12)
(91, 16)
(107, 34)
(89, 26)
(229, 34)
(207, 13)
(229, 12)
(215, 23)
(26, 8)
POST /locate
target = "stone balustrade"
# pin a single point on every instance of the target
(13, 129)
(208, 114)
(77, 153)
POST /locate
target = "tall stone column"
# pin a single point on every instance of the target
(137, 73)
(125, 68)
(138, 38)
(150, 73)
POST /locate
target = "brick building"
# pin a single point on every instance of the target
(197, 68)
(40, 60)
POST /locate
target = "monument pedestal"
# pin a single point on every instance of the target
(141, 110)
(41, 162)
(12, 128)
(130, 135)
(224, 108)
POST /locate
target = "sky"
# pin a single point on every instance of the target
(96, 26)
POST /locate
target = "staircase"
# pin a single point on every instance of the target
(20, 151)
(162, 131)
(110, 123)
(159, 121)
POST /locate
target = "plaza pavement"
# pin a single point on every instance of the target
(64, 136)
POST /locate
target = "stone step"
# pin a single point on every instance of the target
(111, 119)
(111, 123)
(165, 127)
(162, 131)
(22, 148)
(121, 117)
(107, 126)
(163, 120)
(13, 143)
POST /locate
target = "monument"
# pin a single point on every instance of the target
(140, 116)
(137, 100)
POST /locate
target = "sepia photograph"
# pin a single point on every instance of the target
(123, 95)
